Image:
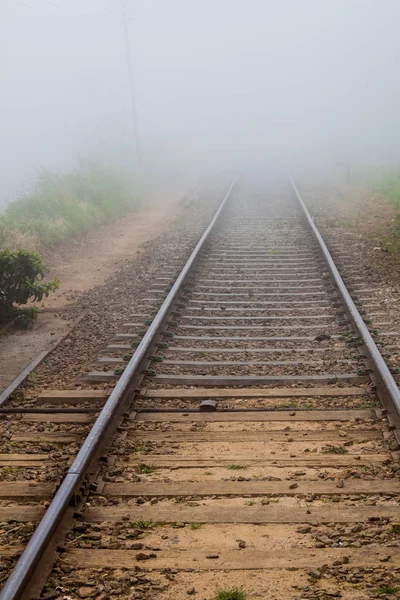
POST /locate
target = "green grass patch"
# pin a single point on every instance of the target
(143, 524)
(231, 594)
(236, 467)
(334, 450)
(389, 186)
(364, 403)
(145, 469)
(63, 204)
(386, 589)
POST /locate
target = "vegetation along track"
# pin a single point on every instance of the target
(248, 449)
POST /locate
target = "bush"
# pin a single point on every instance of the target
(389, 186)
(62, 204)
(21, 275)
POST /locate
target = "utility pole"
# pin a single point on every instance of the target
(129, 65)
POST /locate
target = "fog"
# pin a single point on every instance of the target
(217, 83)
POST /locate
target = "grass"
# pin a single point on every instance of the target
(63, 204)
(386, 589)
(195, 526)
(231, 594)
(145, 469)
(235, 467)
(334, 450)
(366, 403)
(143, 524)
(389, 185)
(139, 448)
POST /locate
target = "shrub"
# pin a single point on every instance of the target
(231, 594)
(21, 275)
(62, 204)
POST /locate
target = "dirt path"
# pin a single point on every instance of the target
(81, 265)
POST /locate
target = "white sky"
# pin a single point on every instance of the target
(216, 80)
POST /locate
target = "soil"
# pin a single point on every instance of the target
(82, 264)
(358, 227)
(357, 215)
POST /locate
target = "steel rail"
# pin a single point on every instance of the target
(36, 547)
(387, 381)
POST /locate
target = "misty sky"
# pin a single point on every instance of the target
(216, 81)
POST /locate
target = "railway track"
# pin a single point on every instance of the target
(250, 445)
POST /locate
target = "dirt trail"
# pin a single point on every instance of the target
(83, 264)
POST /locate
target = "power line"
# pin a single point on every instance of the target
(73, 12)
(70, 12)
(21, 3)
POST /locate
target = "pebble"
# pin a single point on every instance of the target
(86, 592)
(144, 556)
(315, 574)
(306, 529)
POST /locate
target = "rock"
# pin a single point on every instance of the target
(191, 591)
(293, 486)
(212, 556)
(306, 529)
(144, 556)
(341, 561)
(314, 574)
(385, 558)
(86, 592)
(93, 536)
(242, 544)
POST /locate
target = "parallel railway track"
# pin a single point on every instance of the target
(250, 441)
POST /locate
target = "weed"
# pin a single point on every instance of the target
(195, 526)
(61, 204)
(364, 403)
(347, 224)
(389, 186)
(145, 469)
(386, 589)
(140, 448)
(231, 594)
(143, 524)
(334, 450)
(250, 503)
(235, 467)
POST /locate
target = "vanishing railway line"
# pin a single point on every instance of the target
(243, 444)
